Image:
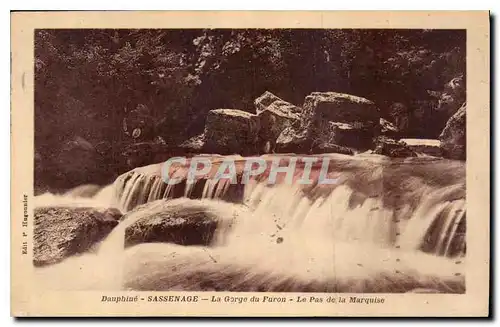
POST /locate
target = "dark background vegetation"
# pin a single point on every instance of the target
(88, 81)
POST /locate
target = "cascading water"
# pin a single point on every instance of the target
(340, 238)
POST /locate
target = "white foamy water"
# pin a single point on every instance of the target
(104, 198)
(279, 238)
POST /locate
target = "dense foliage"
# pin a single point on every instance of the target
(99, 85)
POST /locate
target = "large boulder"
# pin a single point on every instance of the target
(392, 148)
(341, 119)
(184, 222)
(60, 232)
(340, 107)
(275, 115)
(332, 122)
(231, 131)
(453, 136)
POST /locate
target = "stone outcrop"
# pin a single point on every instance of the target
(60, 232)
(190, 223)
(231, 131)
(453, 136)
(293, 140)
(340, 107)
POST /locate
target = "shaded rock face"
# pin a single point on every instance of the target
(231, 131)
(75, 162)
(295, 140)
(356, 136)
(275, 115)
(453, 96)
(179, 224)
(143, 153)
(453, 136)
(271, 102)
(60, 232)
(391, 148)
(400, 116)
(112, 213)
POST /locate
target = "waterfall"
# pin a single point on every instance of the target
(414, 216)
(133, 189)
(384, 227)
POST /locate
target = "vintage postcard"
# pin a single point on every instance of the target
(250, 163)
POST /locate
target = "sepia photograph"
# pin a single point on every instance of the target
(280, 165)
(380, 112)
